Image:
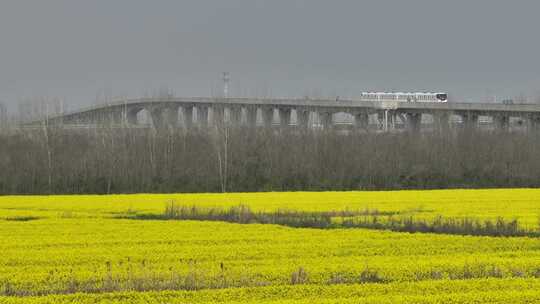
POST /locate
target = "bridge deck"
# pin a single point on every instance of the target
(322, 106)
(327, 103)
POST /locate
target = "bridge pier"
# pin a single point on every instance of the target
(187, 116)
(118, 117)
(157, 115)
(267, 116)
(381, 118)
(325, 119)
(97, 118)
(361, 120)
(533, 122)
(202, 116)
(387, 119)
(235, 116)
(413, 121)
(470, 120)
(302, 118)
(441, 121)
(113, 117)
(251, 116)
(502, 122)
(218, 115)
(131, 115)
(170, 116)
(284, 117)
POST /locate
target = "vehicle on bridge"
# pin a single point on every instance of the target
(405, 97)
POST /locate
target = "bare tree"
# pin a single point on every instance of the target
(49, 153)
(221, 146)
(123, 160)
(3, 117)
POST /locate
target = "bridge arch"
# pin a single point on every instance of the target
(144, 117)
(138, 116)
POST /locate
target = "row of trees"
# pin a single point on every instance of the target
(50, 160)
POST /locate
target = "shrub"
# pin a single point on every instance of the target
(22, 218)
(299, 276)
(370, 219)
(369, 275)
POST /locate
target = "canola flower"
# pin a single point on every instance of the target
(433, 292)
(58, 249)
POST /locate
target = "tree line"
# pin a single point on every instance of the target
(105, 160)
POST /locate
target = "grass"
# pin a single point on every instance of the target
(460, 226)
(367, 218)
(427, 292)
(202, 279)
(21, 218)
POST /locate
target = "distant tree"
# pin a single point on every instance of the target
(3, 116)
(123, 160)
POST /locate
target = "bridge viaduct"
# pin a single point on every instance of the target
(164, 112)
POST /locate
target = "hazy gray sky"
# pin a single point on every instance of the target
(76, 49)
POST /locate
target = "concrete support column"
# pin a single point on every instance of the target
(361, 120)
(470, 120)
(170, 117)
(381, 120)
(157, 117)
(105, 117)
(218, 115)
(267, 116)
(202, 116)
(414, 121)
(117, 117)
(502, 121)
(325, 119)
(534, 122)
(251, 116)
(97, 117)
(441, 121)
(302, 118)
(284, 117)
(235, 115)
(131, 116)
(187, 112)
(88, 120)
(387, 119)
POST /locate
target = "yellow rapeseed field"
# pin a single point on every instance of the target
(83, 249)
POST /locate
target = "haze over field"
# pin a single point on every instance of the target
(78, 49)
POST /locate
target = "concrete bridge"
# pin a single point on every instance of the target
(202, 112)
